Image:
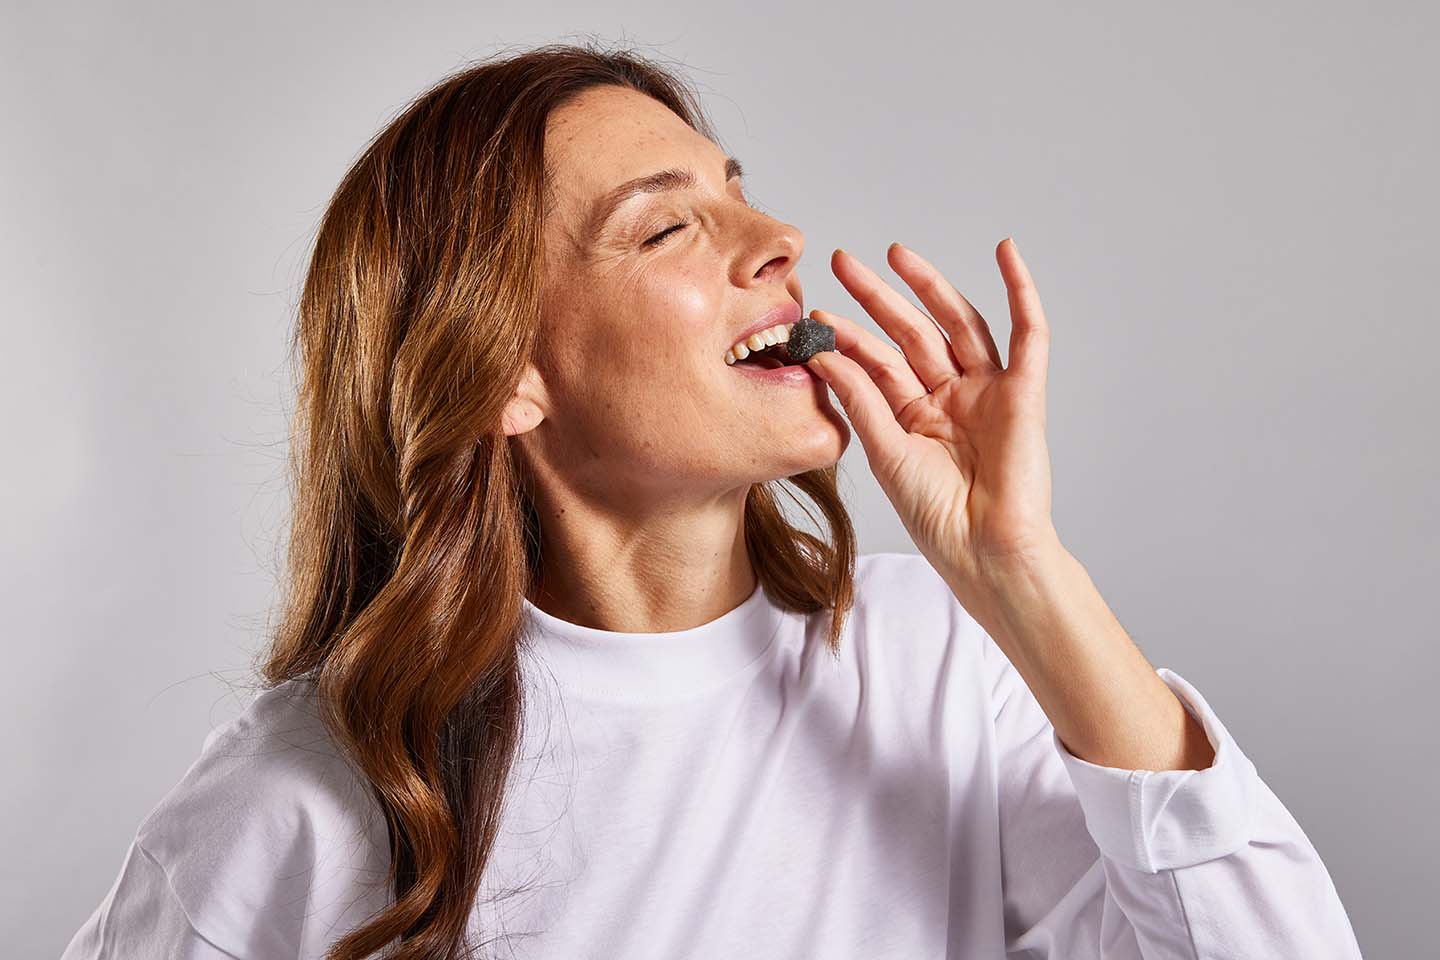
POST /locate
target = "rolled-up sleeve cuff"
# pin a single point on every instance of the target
(1153, 820)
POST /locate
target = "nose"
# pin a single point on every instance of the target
(772, 257)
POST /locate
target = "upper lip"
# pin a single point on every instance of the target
(787, 312)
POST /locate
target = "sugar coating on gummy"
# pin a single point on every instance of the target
(808, 337)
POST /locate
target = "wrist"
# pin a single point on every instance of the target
(995, 570)
(1025, 595)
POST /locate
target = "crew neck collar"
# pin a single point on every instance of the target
(654, 667)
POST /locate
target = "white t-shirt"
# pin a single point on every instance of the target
(732, 791)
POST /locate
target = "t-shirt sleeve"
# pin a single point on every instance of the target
(269, 846)
(1114, 864)
(140, 917)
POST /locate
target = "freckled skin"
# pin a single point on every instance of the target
(616, 422)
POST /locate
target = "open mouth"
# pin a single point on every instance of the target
(770, 358)
(794, 344)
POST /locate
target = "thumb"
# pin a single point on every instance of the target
(880, 433)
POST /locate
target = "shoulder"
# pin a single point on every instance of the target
(271, 838)
(904, 592)
(909, 574)
(908, 624)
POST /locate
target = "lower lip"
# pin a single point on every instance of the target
(795, 373)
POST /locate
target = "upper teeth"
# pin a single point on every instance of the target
(759, 341)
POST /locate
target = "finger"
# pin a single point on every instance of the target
(970, 339)
(880, 433)
(885, 365)
(924, 344)
(1029, 331)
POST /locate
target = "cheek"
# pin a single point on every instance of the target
(683, 313)
(644, 347)
(663, 323)
(645, 341)
(687, 309)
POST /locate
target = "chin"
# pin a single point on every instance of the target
(824, 449)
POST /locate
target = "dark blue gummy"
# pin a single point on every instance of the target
(808, 337)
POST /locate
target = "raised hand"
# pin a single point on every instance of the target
(956, 441)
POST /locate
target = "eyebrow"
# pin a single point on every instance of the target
(675, 178)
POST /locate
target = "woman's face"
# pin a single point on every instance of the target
(631, 395)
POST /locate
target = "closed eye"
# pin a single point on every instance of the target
(663, 235)
(660, 237)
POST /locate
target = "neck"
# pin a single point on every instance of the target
(659, 575)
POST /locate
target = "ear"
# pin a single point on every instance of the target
(526, 406)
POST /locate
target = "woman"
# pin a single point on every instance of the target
(557, 675)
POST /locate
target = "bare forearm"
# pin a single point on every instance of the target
(1106, 701)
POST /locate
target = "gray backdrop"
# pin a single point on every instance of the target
(1229, 211)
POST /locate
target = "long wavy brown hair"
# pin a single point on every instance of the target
(414, 536)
